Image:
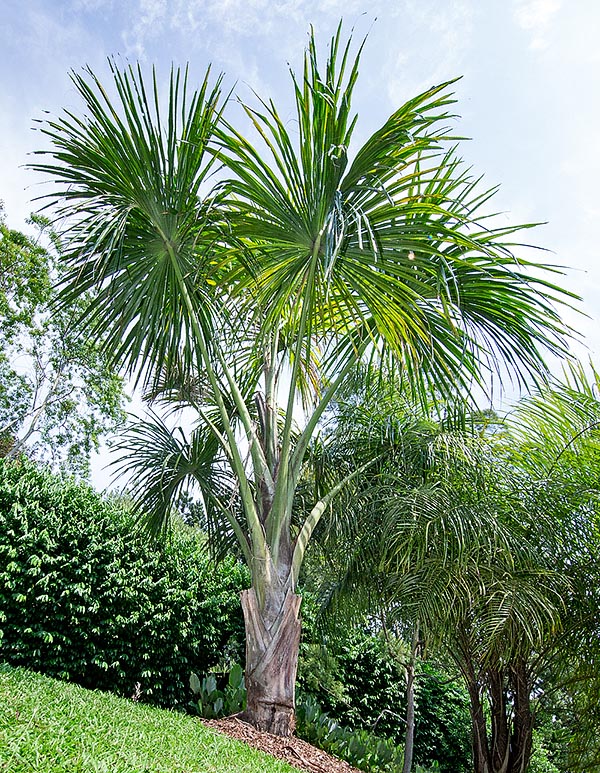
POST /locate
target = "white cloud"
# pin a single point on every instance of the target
(413, 69)
(91, 5)
(150, 22)
(153, 11)
(198, 21)
(535, 17)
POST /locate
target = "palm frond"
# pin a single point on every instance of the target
(129, 183)
(161, 464)
(396, 241)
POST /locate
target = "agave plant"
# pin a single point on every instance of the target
(262, 273)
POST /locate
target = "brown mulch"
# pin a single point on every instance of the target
(293, 750)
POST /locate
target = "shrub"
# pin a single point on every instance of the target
(443, 726)
(84, 598)
(211, 702)
(375, 682)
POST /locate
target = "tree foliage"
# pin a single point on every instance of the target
(58, 391)
(266, 289)
(359, 677)
(558, 430)
(484, 531)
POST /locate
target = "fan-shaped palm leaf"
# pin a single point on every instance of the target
(396, 239)
(162, 463)
(132, 182)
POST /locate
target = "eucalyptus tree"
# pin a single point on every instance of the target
(245, 279)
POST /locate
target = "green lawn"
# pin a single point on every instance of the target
(47, 726)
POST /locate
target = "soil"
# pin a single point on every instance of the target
(294, 751)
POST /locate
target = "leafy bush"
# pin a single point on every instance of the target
(353, 676)
(443, 722)
(360, 681)
(540, 757)
(375, 683)
(83, 598)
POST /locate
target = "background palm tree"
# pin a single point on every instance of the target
(557, 433)
(482, 532)
(269, 287)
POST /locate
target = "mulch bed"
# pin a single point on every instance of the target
(293, 750)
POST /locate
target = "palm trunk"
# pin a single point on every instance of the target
(522, 735)
(482, 762)
(500, 746)
(272, 642)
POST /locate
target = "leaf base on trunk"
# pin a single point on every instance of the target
(271, 663)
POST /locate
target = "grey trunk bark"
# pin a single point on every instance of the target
(500, 739)
(522, 735)
(481, 754)
(272, 642)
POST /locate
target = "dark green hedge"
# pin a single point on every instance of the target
(83, 598)
(376, 686)
(357, 681)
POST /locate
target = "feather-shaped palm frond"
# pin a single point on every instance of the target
(557, 420)
(445, 530)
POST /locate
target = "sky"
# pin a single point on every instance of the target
(528, 97)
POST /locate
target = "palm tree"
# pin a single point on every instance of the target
(484, 534)
(245, 279)
(556, 433)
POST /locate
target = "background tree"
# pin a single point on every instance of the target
(414, 446)
(486, 536)
(357, 670)
(268, 290)
(58, 393)
(558, 433)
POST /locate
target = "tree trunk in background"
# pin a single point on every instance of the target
(481, 754)
(522, 734)
(272, 642)
(500, 737)
(409, 739)
(508, 749)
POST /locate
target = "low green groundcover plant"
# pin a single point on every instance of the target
(86, 599)
(360, 748)
(48, 726)
(211, 700)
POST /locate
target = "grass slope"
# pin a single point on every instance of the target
(47, 726)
